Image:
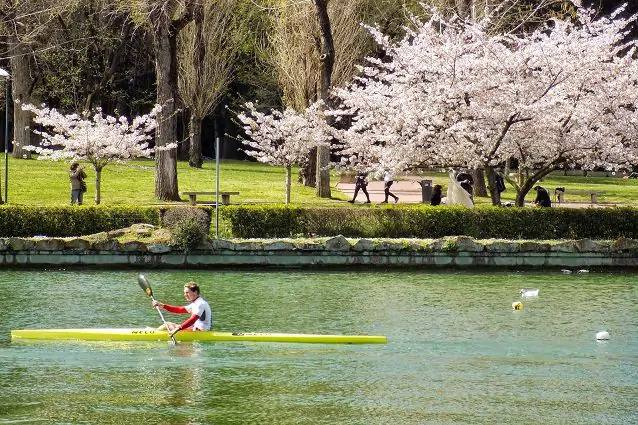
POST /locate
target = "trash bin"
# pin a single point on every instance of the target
(426, 191)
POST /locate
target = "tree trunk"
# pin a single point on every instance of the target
(495, 195)
(195, 148)
(22, 85)
(479, 182)
(288, 184)
(327, 65)
(323, 172)
(98, 187)
(199, 55)
(308, 173)
(166, 80)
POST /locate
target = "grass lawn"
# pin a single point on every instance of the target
(33, 182)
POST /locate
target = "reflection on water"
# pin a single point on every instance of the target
(458, 353)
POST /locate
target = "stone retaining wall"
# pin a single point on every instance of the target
(457, 251)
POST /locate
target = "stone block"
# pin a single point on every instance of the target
(462, 260)
(443, 260)
(105, 259)
(77, 244)
(117, 233)
(338, 243)
(221, 244)
(173, 259)
(588, 245)
(49, 244)
(249, 245)
(279, 246)
(158, 248)
(142, 229)
(501, 246)
(566, 246)
(54, 259)
(107, 245)
(625, 244)
(363, 245)
(467, 244)
(20, 244)
(534, 260)
(389, 245)
(133, 246)
(533, 246)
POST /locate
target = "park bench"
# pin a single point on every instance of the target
(559, 194)
(192, 196)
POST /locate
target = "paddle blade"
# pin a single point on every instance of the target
(141, 280)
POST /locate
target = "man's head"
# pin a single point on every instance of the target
(191, 291)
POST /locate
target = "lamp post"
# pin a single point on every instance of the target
(4, 74)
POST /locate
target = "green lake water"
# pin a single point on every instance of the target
(457, 352)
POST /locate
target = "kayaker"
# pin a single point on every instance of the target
(198, 308)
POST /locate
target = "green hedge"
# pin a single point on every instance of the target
(432, 222)
(276, 221)
(71, 220)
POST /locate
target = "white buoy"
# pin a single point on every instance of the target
(583, 271)
(602, 336)
(529, 292)
(566, 271)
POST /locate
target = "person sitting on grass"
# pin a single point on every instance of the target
(201, 315)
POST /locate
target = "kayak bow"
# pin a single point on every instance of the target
(200, 336)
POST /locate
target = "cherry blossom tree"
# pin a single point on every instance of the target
(97, 138)
(450, 93)
(284, 138)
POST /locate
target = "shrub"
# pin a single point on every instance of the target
(188, 225)
(71, 220)
(265, 221)
(422, 221)
(187, 234)
(174, 217)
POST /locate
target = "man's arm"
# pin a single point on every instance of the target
(171, 308)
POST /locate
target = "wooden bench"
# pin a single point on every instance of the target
(559, 195)
(192, 196)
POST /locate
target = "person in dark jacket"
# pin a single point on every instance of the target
(436, 195)
(361, 182)
(542, 197)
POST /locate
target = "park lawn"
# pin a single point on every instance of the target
(33, 182)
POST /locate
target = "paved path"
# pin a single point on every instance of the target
(409, 192)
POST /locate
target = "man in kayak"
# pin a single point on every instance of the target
(198, 308)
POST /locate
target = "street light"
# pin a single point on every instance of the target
(4, 74)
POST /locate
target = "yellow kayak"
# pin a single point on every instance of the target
(201, 336)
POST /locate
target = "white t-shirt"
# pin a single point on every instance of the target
(388, 177)
(201, 308)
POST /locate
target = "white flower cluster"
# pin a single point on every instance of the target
(283, 138)
(96, 138)
(450, 93)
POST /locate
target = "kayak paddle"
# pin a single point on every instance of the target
(141, 279)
